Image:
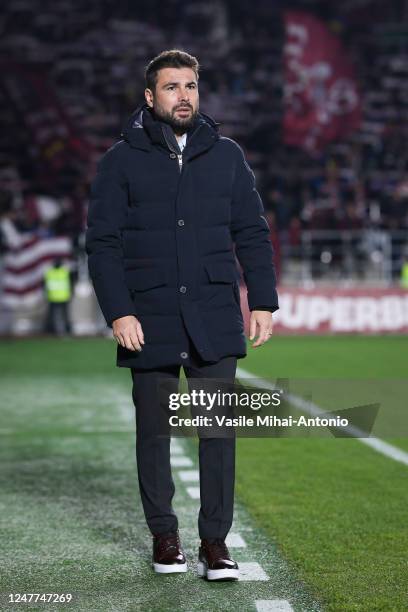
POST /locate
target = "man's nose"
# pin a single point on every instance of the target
(184, 98)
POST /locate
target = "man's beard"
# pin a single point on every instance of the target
(178, 124)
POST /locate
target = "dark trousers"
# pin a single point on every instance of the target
(216, 454)
(58, 318)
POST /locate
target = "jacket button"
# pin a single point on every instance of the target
(184, 355)
(172, 155)
(183, 289)
(180, 222)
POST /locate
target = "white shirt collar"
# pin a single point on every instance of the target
(182, 140)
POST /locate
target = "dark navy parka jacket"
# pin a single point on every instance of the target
(162, 227)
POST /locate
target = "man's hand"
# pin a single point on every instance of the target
(128, 333)
(261, 322)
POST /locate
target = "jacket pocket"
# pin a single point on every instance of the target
(143, 279)
(224, 272)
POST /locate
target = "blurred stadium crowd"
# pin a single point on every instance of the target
(73, 70)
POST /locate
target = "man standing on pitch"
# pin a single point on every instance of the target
(168, 205)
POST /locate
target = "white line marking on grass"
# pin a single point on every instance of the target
(273, 605)
(176, 450)
(376, 443)
(235, 540)
(181, 461)
(194, 492)
(299, 402)
(175, 446)
(252, 571)
(189, 475)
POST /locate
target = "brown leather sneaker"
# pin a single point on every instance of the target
(168, 556)
(214, 561)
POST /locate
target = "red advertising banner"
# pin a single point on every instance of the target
(331, 310)
(322, 102)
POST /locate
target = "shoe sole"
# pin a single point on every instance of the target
(174, 568)
(220, 574)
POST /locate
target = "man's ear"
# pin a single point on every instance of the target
(149, 97)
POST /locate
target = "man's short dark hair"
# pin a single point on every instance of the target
(173, 58)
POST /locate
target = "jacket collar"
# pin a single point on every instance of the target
(143, 130)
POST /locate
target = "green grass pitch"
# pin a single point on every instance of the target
(70, 517)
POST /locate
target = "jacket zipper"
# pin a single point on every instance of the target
(179, 155)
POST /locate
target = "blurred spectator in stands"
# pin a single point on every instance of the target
(349, 217)
(404, 273)
(57, 284)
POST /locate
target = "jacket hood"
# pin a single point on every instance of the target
(142, 128)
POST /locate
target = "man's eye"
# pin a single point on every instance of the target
(192, 86)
